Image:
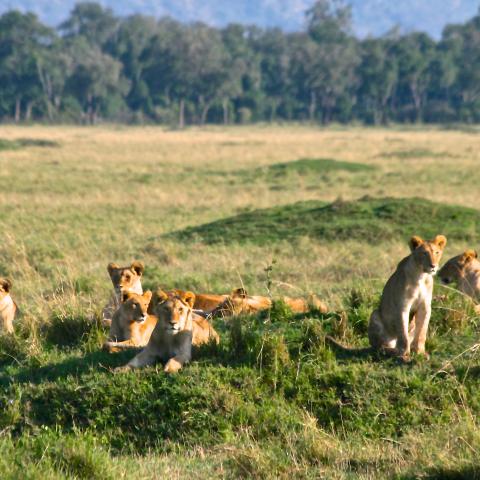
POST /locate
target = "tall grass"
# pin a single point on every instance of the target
(272, 401)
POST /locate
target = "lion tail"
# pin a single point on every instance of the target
(348, 350)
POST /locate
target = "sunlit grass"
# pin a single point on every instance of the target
(276, 403)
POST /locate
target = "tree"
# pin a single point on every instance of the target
(90, 21)
(332, 73)
(128, 44)
(95, 76)
(22, 39)
(377, 76)
(414, 54)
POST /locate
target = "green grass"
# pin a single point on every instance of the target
(270, 374)
(416, 154)
(366, 219)
(26, 142)
(272, 401)
(312, 166)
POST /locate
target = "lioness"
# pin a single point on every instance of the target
(171, 340)
(208, 301)
(406, 296)
(239, 302)
(131, 325)
(464, 270)
(124, 279)
(8, 307)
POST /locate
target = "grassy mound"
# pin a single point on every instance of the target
(267, 378)
(366, 219)
(312, 166)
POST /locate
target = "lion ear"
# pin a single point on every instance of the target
(239, 292)
(111, 267)
(138, 267)
(160, 296)
(469, 255)
(147, 295)
(415, 242)
(6, 284)
(441, 241)
(188, 298)
(125, 296)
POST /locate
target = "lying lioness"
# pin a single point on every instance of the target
(131, 325)
(124, 280)
(464, 270)
(407, 296)
(8, 307)
(176, 330)
(239, 302)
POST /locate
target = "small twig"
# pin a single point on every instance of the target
(391, 440)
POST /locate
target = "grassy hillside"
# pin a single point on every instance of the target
(210, 210)
(367, 219)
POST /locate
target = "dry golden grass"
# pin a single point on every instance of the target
(108, 193)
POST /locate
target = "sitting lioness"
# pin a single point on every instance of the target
(464, 270)
(239, 302)
(124, 280)
(8, 307)
(171, 340)
(131, 325)
(406, 296)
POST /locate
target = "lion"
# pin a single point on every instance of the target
(400, 324)
(8, 308)
(131, 325)
(239, 302)
(124, 280)
(176, 331)
(206, 302)
(464, 270)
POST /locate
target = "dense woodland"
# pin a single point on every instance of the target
(96, 66)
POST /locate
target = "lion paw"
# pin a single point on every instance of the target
(172, 366)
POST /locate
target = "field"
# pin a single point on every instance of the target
(284, 210)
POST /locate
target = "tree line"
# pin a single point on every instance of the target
(137, 69)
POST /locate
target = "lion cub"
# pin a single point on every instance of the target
(131, 324)
(124, 279)
(406, 296)
(172, 338)
(464, 270)
(239, 302)
(8, 307)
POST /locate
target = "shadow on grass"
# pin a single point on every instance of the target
(468, 472)
(26, 142)
(73, 366)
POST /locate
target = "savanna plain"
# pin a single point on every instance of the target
(281, 210)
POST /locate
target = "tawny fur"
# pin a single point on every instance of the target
(8, 308)
(239, 302)
(124, 280)
(131, 325)
(172, 337)
(400, 324)
(464, 270)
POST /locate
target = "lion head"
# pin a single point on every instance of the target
(239, 302)
(427, 254)
(174, 310)
(135, 307)
(455, 268)
(126, 279)
(5, 287)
